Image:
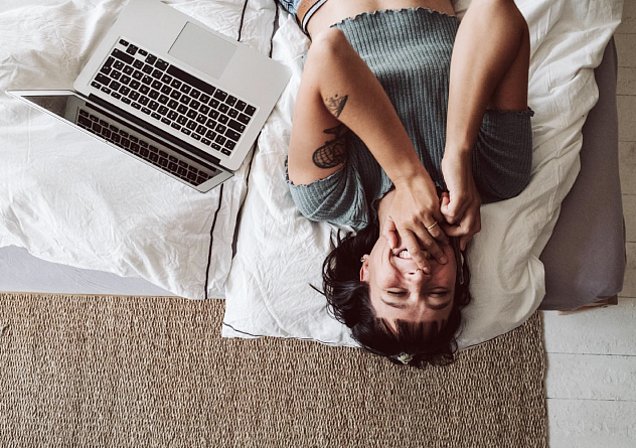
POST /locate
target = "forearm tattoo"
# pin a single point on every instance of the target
(335, 104)
(333, 152)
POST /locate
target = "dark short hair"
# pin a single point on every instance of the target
(348, 299)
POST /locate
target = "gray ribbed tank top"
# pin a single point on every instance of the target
(409, 51)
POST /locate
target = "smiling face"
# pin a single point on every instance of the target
(398, 290)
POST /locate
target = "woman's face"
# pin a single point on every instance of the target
(399, 290)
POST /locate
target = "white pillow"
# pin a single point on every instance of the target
(268, 290)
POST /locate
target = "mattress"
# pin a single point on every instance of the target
(41, 262)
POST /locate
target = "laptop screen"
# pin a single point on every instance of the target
(135, 141)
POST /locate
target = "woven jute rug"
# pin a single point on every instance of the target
(79, 371)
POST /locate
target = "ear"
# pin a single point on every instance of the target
(364, 269)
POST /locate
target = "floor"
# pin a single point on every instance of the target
(591, 378)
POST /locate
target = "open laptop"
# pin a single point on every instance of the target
(172, 93)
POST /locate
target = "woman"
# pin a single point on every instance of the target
(405, 121)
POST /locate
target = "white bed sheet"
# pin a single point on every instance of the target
(268, 291)
(68, 199)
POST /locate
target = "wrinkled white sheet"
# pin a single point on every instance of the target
(70, 200)
(268, 290)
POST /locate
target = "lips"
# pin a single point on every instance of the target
(404, 254)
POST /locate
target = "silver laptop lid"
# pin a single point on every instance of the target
(154, 39)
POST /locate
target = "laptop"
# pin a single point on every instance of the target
(172, 93)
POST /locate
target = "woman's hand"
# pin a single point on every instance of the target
(414, 218)
(460, 206)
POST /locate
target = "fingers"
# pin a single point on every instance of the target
(390, 233)
(437, 232)
(417, 254)
(420, 242)
(466, 229)
(454, 209)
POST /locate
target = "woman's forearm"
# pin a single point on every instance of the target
(354, 95)
(487, 69)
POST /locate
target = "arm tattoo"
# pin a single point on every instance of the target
(333, 152)
(335, 104)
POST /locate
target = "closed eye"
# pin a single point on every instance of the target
(396, 293)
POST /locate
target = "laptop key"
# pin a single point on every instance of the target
(128, 59)
(102, 79)
(187, 78)
(233, 124)
(243, 118)
(161, 64)
(233, 135)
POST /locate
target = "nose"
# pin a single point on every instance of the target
(425, 271)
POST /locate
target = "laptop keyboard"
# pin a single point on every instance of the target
(143, 148)
(170, 96)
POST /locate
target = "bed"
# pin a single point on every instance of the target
(100, 225)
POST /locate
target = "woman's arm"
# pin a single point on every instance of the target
(338, 88)
(489, 70)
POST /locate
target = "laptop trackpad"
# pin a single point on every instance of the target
(202, 50)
